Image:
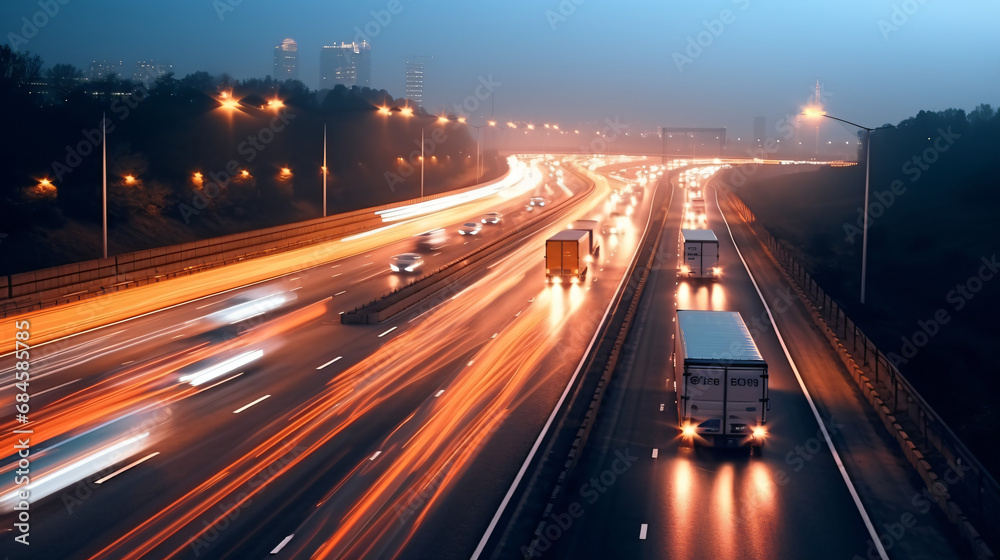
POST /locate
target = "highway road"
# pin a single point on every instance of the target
(637, 493)
(327, 439)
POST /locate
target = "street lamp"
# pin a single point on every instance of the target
(815, 113)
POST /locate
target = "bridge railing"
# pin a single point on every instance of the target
(956, 480)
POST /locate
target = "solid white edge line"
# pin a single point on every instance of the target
(282, 544)
(246, 406)
(819, 420)
(330, 362)
(642, 531)
(555, 410)
(126, 467)
(388, 331)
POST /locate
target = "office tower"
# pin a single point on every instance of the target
(286, 60)
(415, 80)
(347, 63)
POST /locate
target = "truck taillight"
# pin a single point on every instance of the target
(759, 432)
(688, 430)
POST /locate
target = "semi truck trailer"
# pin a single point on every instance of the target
(593, 227)
(699, 254)
(721, 381)
(566, 255)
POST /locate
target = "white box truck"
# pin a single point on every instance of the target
(699, 254)
(592, 226)
(721, 380)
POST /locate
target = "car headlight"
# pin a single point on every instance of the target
(393, 268)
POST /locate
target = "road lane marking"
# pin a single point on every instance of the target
(387, 332)
(439, 393)
(339, 293)
(246, 406)
(128, 362)
(371, 275)
(366, 264)
(548, 422)
(494, 335)
(176, 337)
(126, 467)
(330, 362)
(661, 407)
(54, 388)
(470, 363)
(812, 406)
(337, 274)
(282, 544)
(208, 305)
(377, 453)
(335, 266)
(642, 531)
(436, 254)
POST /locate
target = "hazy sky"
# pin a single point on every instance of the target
(575, 60)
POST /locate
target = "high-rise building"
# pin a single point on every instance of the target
(347, 63)
(759, 130)
(286, 60)
(415, 80)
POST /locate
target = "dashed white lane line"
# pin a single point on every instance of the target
(246, 406)
(337, 274)
(387, 332)
(377, 453)
(642, 531)
(282, 544)
(340, 293)
(656, 453)
(126, 467)
(330, 362)
(439, 393)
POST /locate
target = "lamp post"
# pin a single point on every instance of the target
(324, 170)
(868, 159)
(104, 181)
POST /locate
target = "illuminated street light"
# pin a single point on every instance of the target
(285, 171)
(442, 119)
(275, 104)
(492, 123)
(531, 127)
(510, 124)
(406, 111)
(814, 112)
(197, 178)
(245, 174)
(384, 110)
(461, 120)
(129, 180)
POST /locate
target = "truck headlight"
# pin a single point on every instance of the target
(688, 430)
(759, 432)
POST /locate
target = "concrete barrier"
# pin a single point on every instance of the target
(71, 282)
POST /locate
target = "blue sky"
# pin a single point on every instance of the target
(577, 60)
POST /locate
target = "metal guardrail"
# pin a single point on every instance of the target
(962, 487)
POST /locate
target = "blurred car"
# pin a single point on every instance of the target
(406, 262)
(492, 218)
(614, 224)
(537, 201)
(470, 228)
(431, 240)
